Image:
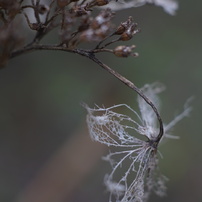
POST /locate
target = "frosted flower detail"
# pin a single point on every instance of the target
(169, 6)
(133, 142)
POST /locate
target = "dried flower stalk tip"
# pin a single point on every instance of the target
(124, 51)
(127, 30)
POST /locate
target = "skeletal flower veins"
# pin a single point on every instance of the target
(135, 172)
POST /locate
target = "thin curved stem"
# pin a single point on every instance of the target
(90, 54)
(35, 47)
(137, 90)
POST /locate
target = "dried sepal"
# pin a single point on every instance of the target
(129, 33)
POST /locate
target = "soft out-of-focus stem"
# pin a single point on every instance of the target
(65, 170)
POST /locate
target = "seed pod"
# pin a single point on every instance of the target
(121, 29)
(126, 36)
(121, 51)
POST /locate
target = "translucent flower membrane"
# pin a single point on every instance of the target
(135, 173)
(169, 6)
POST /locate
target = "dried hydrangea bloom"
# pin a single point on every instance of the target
(136, 160)
(169, 6)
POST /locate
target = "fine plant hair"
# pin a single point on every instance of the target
(136, 136)
(75, 23)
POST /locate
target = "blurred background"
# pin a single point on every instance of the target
(46, 154)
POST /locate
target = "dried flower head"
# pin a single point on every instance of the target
(137, 159)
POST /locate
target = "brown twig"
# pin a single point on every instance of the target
(90, 54)
(137, 90)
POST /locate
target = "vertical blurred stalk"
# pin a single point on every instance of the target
(64, 172)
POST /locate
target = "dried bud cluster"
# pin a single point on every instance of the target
(127, 30)
(99, 27)
(125, 51)
(75, 21)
